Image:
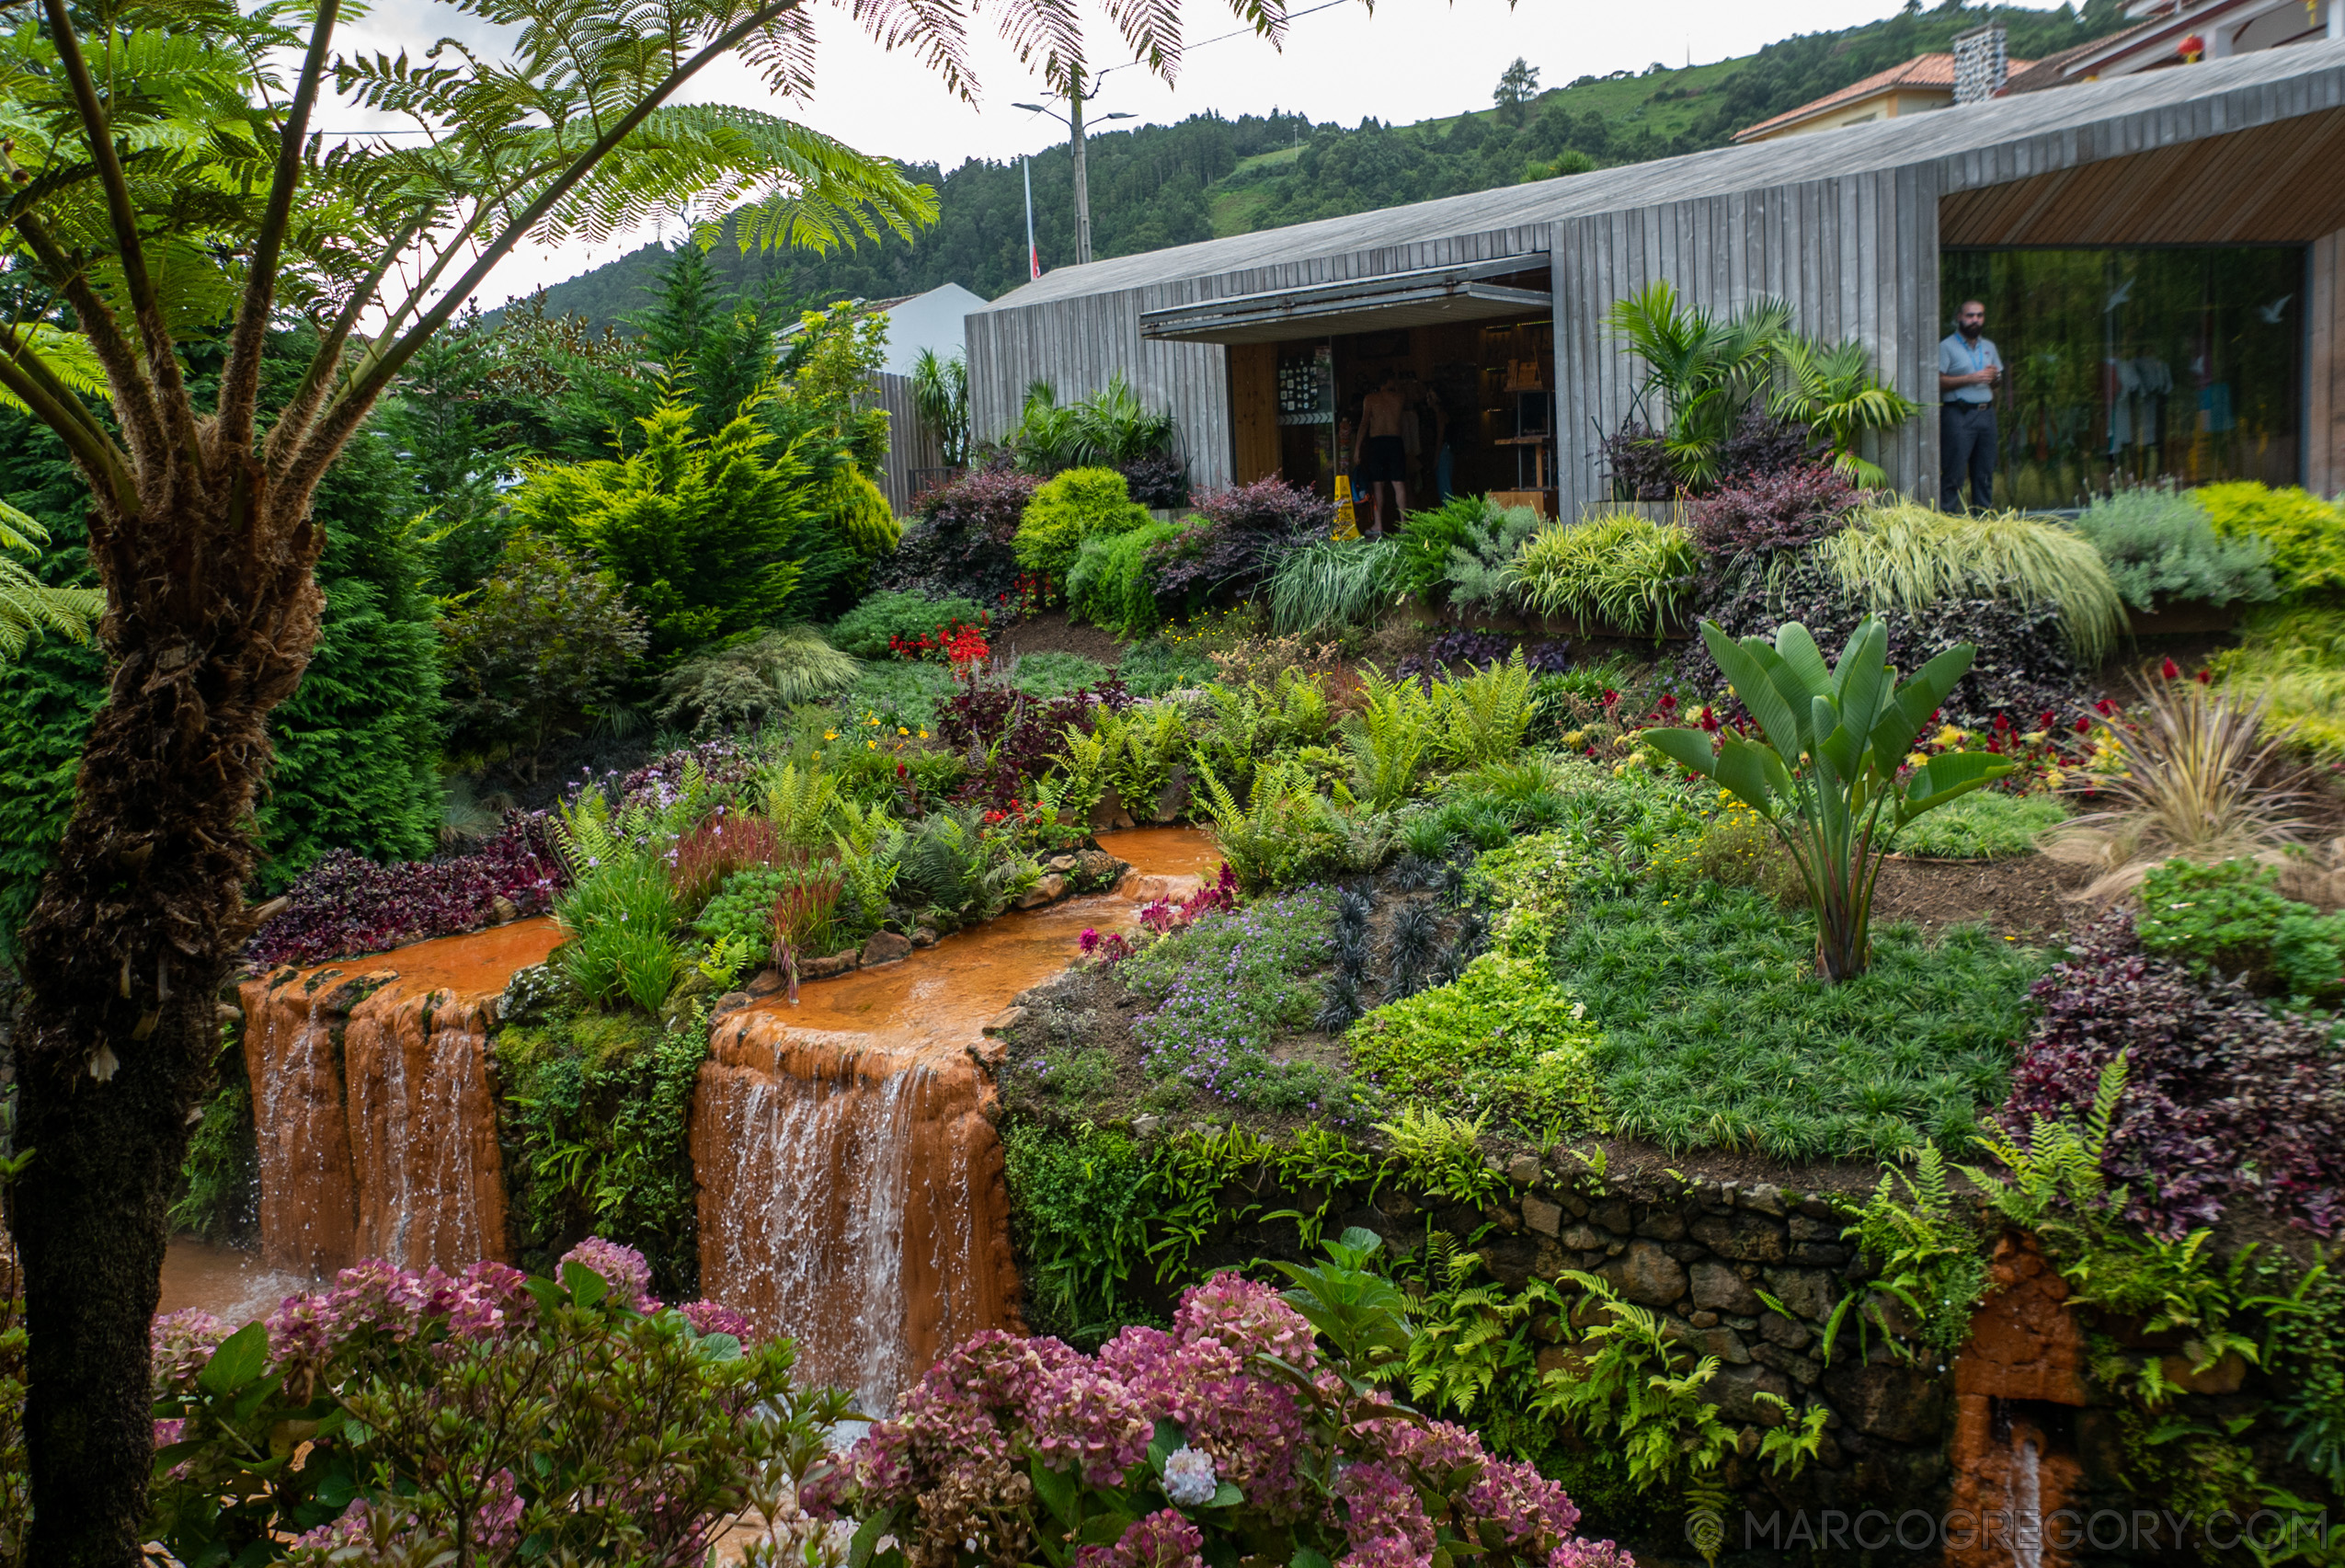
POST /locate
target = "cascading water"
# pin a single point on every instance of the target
(852, 1191)
(2027, 1505)
(374, 1106)
(308, 1206)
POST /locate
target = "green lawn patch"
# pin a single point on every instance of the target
(1717, 1032)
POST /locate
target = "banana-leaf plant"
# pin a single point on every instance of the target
(1828, 775)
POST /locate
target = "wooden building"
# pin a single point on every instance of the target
(2216, 177)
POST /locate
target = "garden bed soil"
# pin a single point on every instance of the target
(1055, 633)
(2027, 897)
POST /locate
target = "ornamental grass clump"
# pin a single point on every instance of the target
(485, 1417)
(2197, 775)
(1616, 569)
(1909, 557)
(1229, 1435)
(1831, 774)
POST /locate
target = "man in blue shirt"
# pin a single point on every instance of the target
(1969, 370)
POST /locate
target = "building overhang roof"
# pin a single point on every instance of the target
(1426, 297)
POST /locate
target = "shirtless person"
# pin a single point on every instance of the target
(1387, 461)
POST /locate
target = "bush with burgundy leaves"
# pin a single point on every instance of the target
(1463, 652)
(1783, 510)
(1232, 538)
(1232, 1435)
(2225, 1098)
(1010, 739)
(961, 545)
(1160, 480)
(347, 904)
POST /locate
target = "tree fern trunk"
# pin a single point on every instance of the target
(212, 614)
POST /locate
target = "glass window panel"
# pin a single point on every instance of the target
(2135, 366)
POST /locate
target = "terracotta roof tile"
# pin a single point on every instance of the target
(1921, 71)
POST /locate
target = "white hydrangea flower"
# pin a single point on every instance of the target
(1189, 1480)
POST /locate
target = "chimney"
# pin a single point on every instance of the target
(1982, 63)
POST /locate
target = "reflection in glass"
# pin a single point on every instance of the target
(2135, 366)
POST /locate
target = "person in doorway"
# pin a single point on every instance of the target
(1378, 454)
(1969, 370)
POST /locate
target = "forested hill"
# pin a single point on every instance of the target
(1207, 175)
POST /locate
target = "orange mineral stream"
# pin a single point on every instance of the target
(851, 1182)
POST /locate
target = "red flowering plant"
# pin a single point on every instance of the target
(1035, 825)
(1162, 917)
(483, 1417)
(956, 642)
(1035, 593)
(1234, 1436)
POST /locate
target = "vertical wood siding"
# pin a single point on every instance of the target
(1076, 344)
(910, 444)
(1856, 255)
(2325, 380)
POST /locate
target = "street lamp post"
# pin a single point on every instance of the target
(1073, 121)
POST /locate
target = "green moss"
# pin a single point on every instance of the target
(594, 1123)
(1503, 1038)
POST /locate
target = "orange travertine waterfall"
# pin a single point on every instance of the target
(2016, 1384)
(374, 1104)
(850, 1185)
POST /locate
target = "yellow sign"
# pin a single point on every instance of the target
(1347, 525)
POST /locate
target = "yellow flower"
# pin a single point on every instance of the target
(901, 730)
(871, 745)
(831, 734)
(1949, 735)
(2054, 778)
(924, 735)
(1914, 759)
(2034, 737)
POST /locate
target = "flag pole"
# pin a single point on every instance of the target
(1034, 256)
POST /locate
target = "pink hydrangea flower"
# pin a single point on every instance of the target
(1163, 1540)
(622, 1268)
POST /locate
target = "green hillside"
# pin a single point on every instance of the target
(1164, 185)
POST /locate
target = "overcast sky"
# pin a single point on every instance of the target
(1409, 60)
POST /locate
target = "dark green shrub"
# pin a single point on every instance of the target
(1110, 584)
(1080, 1206)
(219, 1181)
(1426, 539)
(535, 651)
(2229, 918)
(593, 1121)
(357, 746)
(866, 630)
